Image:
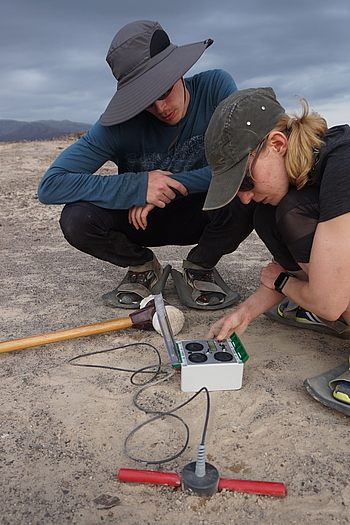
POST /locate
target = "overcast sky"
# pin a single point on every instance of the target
(52, 53)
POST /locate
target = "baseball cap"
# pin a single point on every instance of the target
(238, 125)
(146, 65)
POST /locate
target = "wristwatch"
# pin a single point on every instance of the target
(281, 281)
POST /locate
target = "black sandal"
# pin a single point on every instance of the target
(203, 288)
(136, 285)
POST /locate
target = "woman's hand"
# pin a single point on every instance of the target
(138, 215)
(237, 321)
(269, 274)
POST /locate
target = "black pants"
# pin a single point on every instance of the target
(107, 234)
(288, 229)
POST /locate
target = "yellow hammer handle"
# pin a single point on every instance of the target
(64, 335)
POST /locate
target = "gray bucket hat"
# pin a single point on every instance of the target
(146, 64)
(238, 125)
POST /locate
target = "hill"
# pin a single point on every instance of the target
(14, 130)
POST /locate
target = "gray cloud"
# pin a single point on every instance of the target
(52, 62)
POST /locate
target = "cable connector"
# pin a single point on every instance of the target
(200, 463)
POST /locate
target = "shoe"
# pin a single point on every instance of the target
(289, 313)
(139, 282)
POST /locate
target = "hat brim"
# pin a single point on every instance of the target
(138, 94)
(224, 186)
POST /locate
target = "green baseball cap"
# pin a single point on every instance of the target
(238, 125)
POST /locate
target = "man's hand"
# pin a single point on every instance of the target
(138, 215)
(161, 186)
(269, 274)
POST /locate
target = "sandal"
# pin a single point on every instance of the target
(332, 388)
(341, 387)
(138, 283)
(202, 288)
(205, 291)
(289, 313)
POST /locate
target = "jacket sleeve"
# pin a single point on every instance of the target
(72, 178)
(196, 181)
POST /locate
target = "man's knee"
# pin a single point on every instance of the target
(265, 221)
(76, 223)
(233, 214)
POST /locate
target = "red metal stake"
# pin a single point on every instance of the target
(154, 477)
(264, 488)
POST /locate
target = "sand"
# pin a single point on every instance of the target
(62, 428)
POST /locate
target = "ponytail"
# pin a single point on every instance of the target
(305, 134)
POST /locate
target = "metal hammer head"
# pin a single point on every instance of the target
(142, 318)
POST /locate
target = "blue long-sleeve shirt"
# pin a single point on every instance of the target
(138, 146)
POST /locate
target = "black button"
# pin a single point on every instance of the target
(223, 356)
(197, 358)
(194, 347)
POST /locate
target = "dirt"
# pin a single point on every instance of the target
(62, 428)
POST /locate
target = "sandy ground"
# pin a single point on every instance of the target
(62, 428)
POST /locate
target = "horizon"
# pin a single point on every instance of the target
(299, 49)
(47, 120)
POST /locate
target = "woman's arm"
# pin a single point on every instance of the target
(327, 292)
(238, 320)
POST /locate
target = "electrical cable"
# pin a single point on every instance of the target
(146, 369)
(160, 415)
(155, 370)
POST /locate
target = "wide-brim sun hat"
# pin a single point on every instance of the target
(146, 65)
(238, 125)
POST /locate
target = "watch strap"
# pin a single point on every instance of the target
(281, 281)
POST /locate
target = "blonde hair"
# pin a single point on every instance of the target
(305, 135)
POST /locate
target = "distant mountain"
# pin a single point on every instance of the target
(13, 130)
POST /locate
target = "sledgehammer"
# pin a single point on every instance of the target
(141, 319)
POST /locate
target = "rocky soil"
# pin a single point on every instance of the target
(62, 428)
